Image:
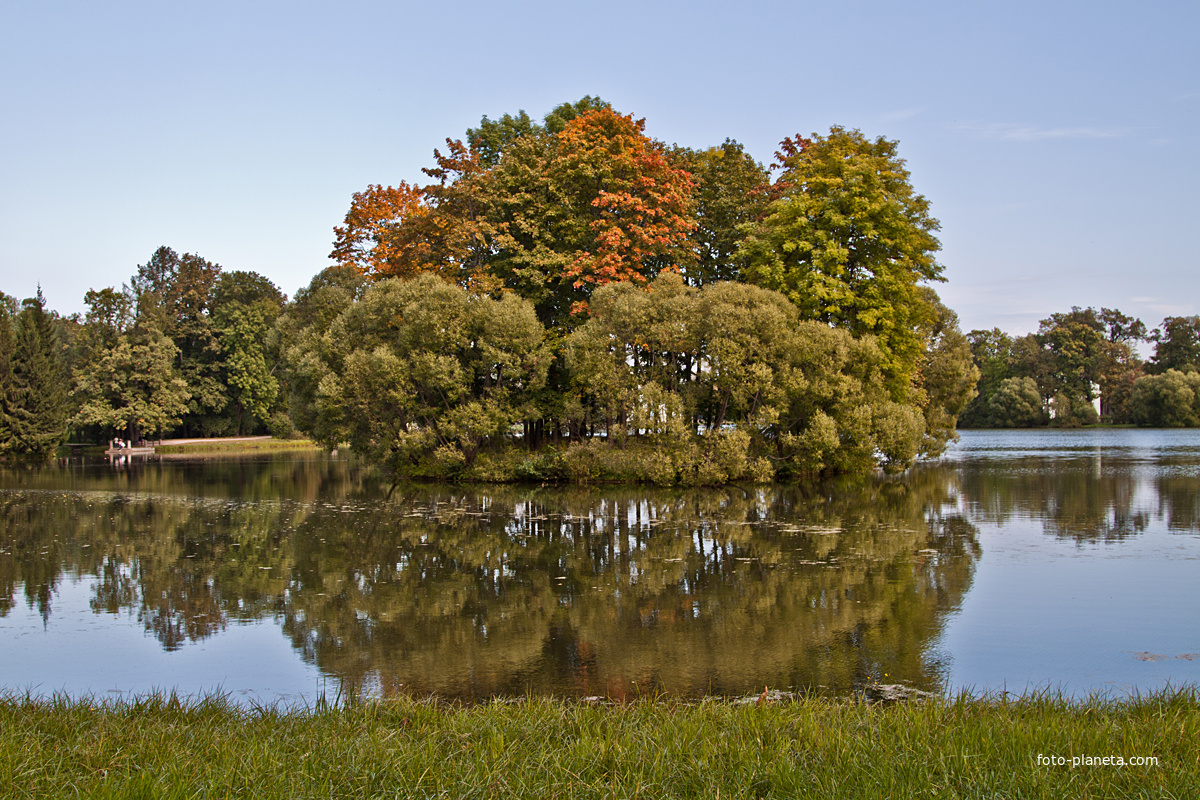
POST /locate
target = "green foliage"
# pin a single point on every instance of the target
(732, 192)
(174, 295)
(676, 361)
(1168, 400)
(8, 379)
(848, 241)
(132, 385)
(300, 337)
(672, 384)
(948, 376)
(1016, 403)
(1177, 345)
(1074, 359)
(992, 353)
(245, 306)
(421, 370)
(1067, 411)
(251, 385)
(493, 137)
(38, 415)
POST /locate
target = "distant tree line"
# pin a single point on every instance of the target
(184, 349)
(1083, 367)
(564, 299)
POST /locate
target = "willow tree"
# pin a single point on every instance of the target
(422, 369)
(732, 360)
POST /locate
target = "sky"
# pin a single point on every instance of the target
(1055, 141)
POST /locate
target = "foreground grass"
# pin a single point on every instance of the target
(163, 748)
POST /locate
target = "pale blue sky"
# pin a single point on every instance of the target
(1056, 141)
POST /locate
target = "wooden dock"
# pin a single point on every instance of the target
(141, 450)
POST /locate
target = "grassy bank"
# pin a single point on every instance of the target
(235, 446)
(805, 748)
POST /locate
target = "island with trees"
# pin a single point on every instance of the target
(573, 300)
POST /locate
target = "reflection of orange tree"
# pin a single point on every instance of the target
(583, 592)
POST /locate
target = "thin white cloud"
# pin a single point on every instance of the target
(902, 114)
(1031, 133)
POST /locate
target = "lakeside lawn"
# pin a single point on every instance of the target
(233, 446)
(963, 748)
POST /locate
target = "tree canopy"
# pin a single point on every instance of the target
(571, 283)
(849, 242)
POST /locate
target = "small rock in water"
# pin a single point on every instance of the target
(895, 693)
(765, 697)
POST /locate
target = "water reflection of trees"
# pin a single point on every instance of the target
(470, 593)
(1178, 490)
(589, 592)
(1080, 499)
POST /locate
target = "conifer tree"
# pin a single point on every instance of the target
(39, 419)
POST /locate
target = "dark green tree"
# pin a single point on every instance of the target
(1091, 358)
(300, 338)
(173, 294)
(1016, 403)
(245, 306)
(1168, 400)
(1176, 345)
(948, 376)
(992, 352)
(732, 191)
(8, 380)
(128, 382)
(40, 412)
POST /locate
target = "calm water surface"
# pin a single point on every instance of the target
(1062, 559)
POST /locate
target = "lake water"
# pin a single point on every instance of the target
(1023, 559)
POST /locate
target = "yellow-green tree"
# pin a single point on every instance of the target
(849, 242)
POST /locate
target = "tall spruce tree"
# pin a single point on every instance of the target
(39, 417)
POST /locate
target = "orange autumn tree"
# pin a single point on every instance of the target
(596, 203)
(554, 212)
(379, 236)
(459, 229)
(641, 208)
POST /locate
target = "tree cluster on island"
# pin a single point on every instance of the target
(572, 299)
(575, 300)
